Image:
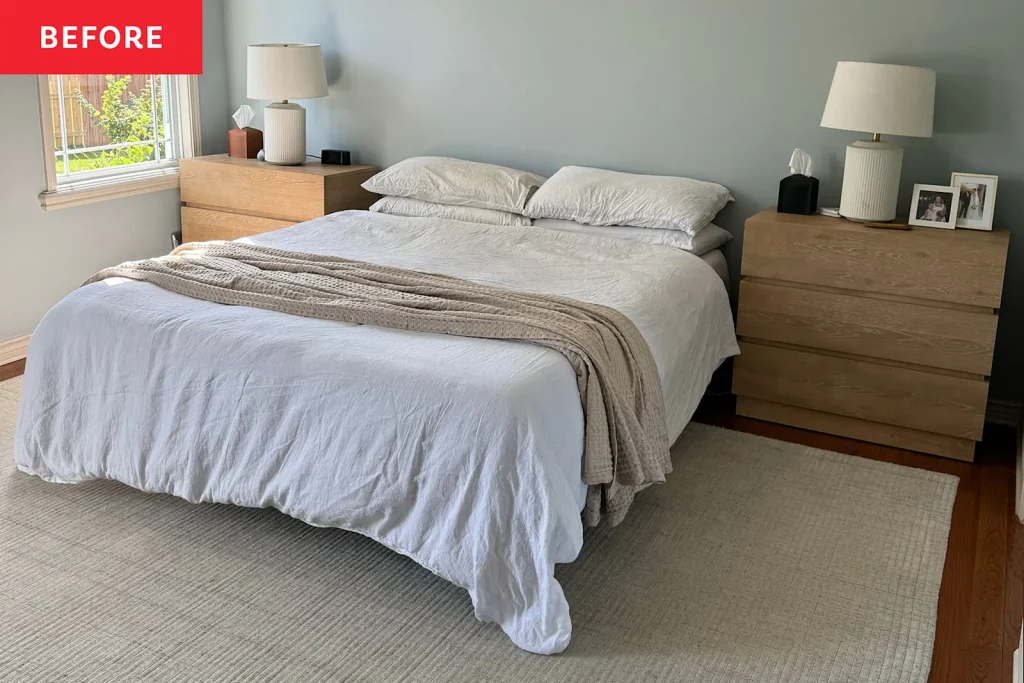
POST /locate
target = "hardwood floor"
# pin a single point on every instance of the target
(12, 369)
(981, 602)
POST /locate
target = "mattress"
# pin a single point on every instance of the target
(716, 259)
(463, 454)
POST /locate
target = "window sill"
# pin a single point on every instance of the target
(109, 189)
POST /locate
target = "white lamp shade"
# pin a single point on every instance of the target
(285, 71)
(881, 98)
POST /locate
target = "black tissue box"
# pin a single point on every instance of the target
(798, 194)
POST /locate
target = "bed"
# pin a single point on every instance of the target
(716, 259)
(463, 454)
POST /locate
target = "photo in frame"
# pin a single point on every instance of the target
(977, 200)
(935, 206)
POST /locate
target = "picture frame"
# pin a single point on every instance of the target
(935, 206)
(977, 199)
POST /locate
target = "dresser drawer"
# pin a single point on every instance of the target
(954, 266)
(291, 193)
(918, 400)
(853, 428)
(200, 225)
(951, 339)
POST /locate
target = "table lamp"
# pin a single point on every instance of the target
(877, 99)
(283, 72)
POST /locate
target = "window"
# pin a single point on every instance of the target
(107, 136)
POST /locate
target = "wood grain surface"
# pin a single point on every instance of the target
(928, 402)
(922, 335)
(854, 428)
(199, 225)
(290, 193)
(991, 560)
(858, 328)
(11, 370)
(14, 349)
(344, 191)
(957, 266)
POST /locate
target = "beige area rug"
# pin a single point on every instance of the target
(758, 561)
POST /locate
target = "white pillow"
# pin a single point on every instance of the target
(404, 206)
(457, 183)
(597, 197)
(708, 239)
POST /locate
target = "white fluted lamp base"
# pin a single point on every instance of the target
(284, 140)
(871, 181)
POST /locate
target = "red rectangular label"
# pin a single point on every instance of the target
(105, 37)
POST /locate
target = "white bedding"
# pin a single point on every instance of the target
(463, 454)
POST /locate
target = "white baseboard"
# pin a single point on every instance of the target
(14, 349)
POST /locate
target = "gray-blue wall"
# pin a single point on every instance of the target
(45, 255)
(721, 90)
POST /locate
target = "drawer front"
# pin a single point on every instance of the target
(880, 393)
(200, 225)
(954, 266)
(952, 339)
(852, 428)
(261, 190)
(344, 192)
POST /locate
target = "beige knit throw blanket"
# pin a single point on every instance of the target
(626, 444)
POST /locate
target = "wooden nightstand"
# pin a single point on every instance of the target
(879, 335)
(226, 198)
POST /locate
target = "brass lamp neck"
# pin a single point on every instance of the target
(876, 137)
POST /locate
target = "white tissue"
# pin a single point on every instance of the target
(800, 163)
(244, 116)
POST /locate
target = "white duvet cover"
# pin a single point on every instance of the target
(463, 454)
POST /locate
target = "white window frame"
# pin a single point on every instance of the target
(103, 184)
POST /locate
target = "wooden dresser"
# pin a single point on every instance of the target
(878, 335)
(227, 198)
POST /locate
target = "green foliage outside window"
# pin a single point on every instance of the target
(125, 117)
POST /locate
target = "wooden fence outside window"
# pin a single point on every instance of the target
(81, 131)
